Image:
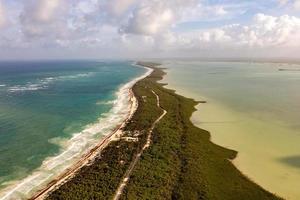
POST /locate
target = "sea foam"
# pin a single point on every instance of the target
(40, 84)
(74, 148)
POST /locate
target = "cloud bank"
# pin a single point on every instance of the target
(148, 28)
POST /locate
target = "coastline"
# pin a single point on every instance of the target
(238, 120)
(181, 160)
(199, 102)
(90, 156)
(124, 93)
(264, 194)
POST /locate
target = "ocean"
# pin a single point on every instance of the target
(51, 112)
(253, 108)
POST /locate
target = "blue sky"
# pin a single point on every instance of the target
(66, 29)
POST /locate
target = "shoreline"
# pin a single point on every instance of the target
(232, 127)
(86, 158)
(232, 158)
(243, 159)
(199, 102)
(91, 155)
(181, 160)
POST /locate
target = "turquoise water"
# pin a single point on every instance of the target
(253, 108)
(44, 104)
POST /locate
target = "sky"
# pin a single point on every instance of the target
(95, 29)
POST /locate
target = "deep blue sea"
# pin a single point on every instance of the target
(51, 112)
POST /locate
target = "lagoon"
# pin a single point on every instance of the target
(252, 108)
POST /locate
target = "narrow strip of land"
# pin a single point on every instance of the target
(181, 160)
(138, 156)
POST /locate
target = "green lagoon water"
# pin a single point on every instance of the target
(253, 108)
(53, 112)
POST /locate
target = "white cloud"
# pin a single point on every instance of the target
(264, 32)
(45, 10)
(2, 15)
(204, 12)
(295, 4)
(283, 2)
(145, 21)
(140, 27)
(275, 31)
(119, 7)
(154, 16)
(43, 17)
(86, 6)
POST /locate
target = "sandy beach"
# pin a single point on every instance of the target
(88, 158)
(33, 182)
(96, 151)
(121, 167)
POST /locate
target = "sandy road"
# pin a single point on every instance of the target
(138, 156)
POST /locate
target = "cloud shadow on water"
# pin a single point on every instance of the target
(293, 161)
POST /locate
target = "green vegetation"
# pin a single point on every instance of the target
(181, 162)
(100, 179)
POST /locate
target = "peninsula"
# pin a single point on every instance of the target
(160, 155)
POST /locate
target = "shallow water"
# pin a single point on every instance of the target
(253, 108)
(53, 112)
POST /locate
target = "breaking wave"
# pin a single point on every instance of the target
(44, 83)
(72, 149)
